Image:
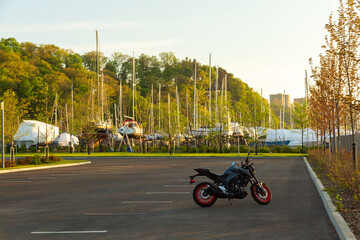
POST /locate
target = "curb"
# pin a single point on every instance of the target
(43, 167)
(336, 219)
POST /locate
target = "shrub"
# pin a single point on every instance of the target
(233, 149)
(153, 149)
(24, 161)
(340, 170)
(44, 160)
(263, 150)
(193, 149)
(53, 158)
(243, 149)
(36, 160)
(9, 164)
(22, 149)
(32, 149)
(202, 149)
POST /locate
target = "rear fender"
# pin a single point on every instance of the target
(206, 172)
(202, 172)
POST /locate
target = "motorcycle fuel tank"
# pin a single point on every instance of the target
(234, 171)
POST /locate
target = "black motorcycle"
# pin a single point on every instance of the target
(230, 185)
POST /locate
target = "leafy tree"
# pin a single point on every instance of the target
(300, 118)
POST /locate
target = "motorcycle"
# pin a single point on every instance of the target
(230, 185)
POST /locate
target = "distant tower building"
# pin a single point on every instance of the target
(277, 102)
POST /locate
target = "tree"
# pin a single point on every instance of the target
(14, 113)
(300, 118)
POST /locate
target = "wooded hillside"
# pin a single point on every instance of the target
(32, 75)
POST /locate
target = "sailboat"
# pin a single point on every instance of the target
(101, 125)
(130, 126)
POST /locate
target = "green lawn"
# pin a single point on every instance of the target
(127, 154)
(46, 164)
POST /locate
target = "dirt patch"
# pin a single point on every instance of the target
(342, 199)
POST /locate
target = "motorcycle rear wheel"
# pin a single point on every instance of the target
(260, 197)
(202, 197)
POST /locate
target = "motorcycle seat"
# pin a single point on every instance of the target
(222, 178)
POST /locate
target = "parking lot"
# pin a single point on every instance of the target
(139, 198)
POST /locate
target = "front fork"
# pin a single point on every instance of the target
(259, 184)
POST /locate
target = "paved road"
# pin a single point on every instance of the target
(150, 199)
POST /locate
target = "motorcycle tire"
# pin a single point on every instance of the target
(202, 197)
(258, 196)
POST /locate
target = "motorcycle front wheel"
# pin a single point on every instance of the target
(202, 196)
(260, 196)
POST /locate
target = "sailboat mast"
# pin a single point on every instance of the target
(120, 103)
(67, 120)
(133, 100)
(97, 68)
(102, 96)
(284, 111)
(72, 113)
(159, 107)
(56, 109)
(152, 110)
(261, 109)
(169, 113)
(195, 97)
(178, 110)
(187, 112)
(216, 92)
(210, 86)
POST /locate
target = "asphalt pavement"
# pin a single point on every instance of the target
(125, 198)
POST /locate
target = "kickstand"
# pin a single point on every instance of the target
(230, 201)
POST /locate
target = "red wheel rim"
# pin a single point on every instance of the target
(202, 197)
(265, 197)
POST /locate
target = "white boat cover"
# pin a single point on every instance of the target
(64, 140)
(294, 135)
(31, 132)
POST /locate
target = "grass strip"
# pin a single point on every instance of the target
(126, 154)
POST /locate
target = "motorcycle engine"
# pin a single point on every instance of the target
(237, 187)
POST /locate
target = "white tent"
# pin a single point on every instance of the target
(294, 135)
(65, 139)
(31, 132)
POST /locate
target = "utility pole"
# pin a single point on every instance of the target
(2, 135)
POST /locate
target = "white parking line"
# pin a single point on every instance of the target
(176, 185)
(15, 181)
(73, 232)
(64, 174)
(41, 177)
(114, 214)
(138, 202)
(167, 192)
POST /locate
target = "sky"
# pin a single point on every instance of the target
(265, 43)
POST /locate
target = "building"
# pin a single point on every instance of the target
(277, 100)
